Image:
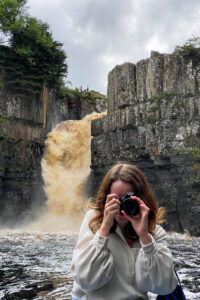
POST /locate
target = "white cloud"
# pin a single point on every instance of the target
(98, 34)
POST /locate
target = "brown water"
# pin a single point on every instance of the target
(35, 261)
(65, 169)
(66, 165)
(36, 265)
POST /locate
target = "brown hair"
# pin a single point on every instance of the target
(130, 174)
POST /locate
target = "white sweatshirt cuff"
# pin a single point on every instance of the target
(150, 248)
(100, 241)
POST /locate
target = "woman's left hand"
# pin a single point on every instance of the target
(140, 221)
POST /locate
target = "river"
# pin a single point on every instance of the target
(36, 265)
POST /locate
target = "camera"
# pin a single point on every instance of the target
(129, 205)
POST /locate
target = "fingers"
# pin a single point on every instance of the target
(143, 211)
(112, 201)
(128, 217)
(114, 212)
(110, 197)
(112, 206)
(137, 199)
(111, 209)
(142, 205)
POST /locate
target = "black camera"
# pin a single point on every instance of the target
(129, 205)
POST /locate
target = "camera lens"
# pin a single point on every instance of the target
(131, 207)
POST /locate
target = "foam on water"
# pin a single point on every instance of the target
(65, 170)
(31, 260)
(39, 254)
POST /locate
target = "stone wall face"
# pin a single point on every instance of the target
(21, 147)
(154, 122)
(62, 109)
(22, 139)
(24, 116)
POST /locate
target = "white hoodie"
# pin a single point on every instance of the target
(106, 268)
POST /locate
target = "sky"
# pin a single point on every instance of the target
(97, 35)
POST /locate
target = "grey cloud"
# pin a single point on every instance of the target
(98, 34)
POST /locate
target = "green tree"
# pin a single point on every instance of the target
(12, 14)
(33, 59)
(191, 49)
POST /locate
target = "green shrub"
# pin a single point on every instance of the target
(191, 50)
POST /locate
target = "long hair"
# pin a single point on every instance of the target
(130, 174)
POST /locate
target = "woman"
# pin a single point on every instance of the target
(119, 256)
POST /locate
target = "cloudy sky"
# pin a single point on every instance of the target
(99, 34)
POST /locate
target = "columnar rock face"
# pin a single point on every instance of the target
(21, 147)
(62, 109)
(153, 122)
(22, 139)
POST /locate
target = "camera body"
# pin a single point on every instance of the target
(129, 205)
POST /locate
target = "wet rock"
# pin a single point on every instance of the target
(153, 121)
(39, 268)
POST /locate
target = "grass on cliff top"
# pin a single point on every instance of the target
(79, 94)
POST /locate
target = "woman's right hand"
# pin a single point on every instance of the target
(111, 209)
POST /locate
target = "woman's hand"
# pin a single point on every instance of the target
(140, 222)
(111, 209)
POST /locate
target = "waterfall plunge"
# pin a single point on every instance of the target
(65, 169)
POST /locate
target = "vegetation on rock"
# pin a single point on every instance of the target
(3, 119)
(77, 93)
(32, 58)
(191, 49)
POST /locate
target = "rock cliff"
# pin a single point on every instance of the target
(68, 108)
(153, 121)
(21, 148)
(22, 139)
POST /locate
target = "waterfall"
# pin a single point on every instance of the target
(65, 169)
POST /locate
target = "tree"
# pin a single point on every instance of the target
(191, 49)
(38, 59)
(12, 15)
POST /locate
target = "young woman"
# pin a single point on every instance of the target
(119, 256)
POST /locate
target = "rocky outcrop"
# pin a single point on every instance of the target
(154, 122)
(22, 139)
(21, 147)
(66, 108)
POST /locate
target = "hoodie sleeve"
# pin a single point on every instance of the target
(154, 266)
(92, 261)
